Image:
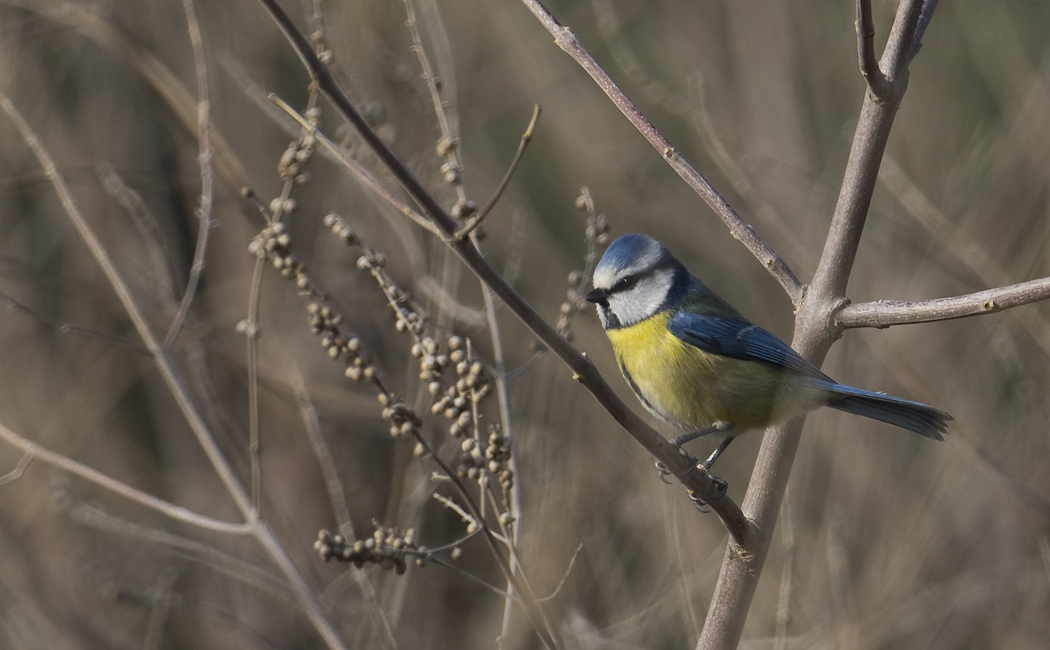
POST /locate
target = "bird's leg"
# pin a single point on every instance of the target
(717, 427)
(715, 454)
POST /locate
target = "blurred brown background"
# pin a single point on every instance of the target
(887, 540)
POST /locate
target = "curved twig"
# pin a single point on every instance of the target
(480, 215)
(357, 170)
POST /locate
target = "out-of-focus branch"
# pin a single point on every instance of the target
(886, 313)
(204, 160)
(157, 76)
(33, 451)
(740, 229)
(173, 379)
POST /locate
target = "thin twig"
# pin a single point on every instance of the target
(155, 75)
(337, 496)
(928, 7)
(738, 228)
(129, 199)
(480, 215)
(251, 331)
(204, 159)
(885, 313)
(33, 451)
(869, 64)
(62, 327)
(20, 468)
(336, 493)
(123, 291)
(442, 97)
(565, 575)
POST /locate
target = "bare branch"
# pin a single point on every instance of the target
(204, 159)
(869, 64)
(33, 451)
(740, 229)
(480, 215)
(123, 291)
(886, 313)
(157, 76)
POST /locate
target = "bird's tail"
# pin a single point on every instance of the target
(914, 416)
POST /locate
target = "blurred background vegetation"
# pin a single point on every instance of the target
(887, 539)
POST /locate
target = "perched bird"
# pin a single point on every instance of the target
(696, 362)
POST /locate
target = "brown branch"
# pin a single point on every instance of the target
(740, 229)
(480, 215)
(886, 313)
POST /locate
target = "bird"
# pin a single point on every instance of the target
(697, 363)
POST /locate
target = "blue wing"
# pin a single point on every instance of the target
(738, 339)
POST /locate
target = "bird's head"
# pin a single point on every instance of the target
(636, 278)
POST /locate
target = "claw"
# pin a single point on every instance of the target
(698, 502)
(663, 472)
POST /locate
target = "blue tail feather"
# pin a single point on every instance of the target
(914, 416)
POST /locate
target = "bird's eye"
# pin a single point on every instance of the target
(625, 283)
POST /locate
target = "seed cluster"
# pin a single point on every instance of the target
(492, 459)
(275, 244)
(293, 161)
(472, 386)
(387, 547)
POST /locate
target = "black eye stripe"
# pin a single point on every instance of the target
(624, 283)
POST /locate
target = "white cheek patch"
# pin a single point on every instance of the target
(644, 299)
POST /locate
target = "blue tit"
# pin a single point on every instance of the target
(697, 363)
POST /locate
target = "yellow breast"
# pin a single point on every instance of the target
(693, 389)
